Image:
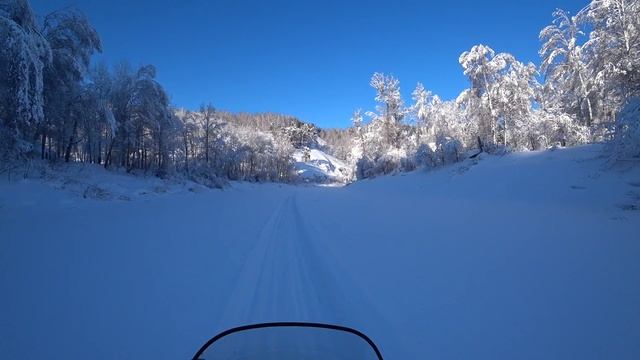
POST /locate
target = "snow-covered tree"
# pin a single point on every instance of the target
(546, 129)
(357, 119)
(627, 135)
(208, 113)
(24, 54)
(514, 94)
(613, 51)
(73, 41)
(359, 148)
(152, 115)
(421, 103)
(390, 110)
(482, 67)
(301, 134)
(569, 86)
(501, 93)
(101, 127)
(422, 110)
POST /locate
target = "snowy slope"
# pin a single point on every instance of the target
(320, 167)
(527, 256)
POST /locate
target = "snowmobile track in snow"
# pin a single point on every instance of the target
(283, 277)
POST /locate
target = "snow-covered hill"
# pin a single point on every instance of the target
(526, 256)
(316, 166)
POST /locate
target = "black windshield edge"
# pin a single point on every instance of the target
(288, 324)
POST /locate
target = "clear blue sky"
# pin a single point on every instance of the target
(311, 59)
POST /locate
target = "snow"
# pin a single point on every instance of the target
(90, 181)
(320, 167)
(627, 138)
(529, 256)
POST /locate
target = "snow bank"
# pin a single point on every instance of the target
(91, 181)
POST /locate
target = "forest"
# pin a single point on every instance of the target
(57, 106)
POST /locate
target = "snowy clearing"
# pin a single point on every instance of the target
(528, 256)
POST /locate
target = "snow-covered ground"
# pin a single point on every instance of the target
(527, 256)
(320, 167)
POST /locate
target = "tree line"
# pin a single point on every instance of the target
(585, 90)
(56, 106)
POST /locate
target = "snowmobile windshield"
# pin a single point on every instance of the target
(288, 341)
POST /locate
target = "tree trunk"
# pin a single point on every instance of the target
(67, 154)
(206, 140)
(100, 150)
(49, 149)
(43, 146)
(505, 132)
(493, 121)
(186, 153)
(586, 97)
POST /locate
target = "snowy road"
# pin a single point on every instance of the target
(529, 256)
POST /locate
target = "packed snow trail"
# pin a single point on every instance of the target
(289, 276)
(527, 256)
(281, 275)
